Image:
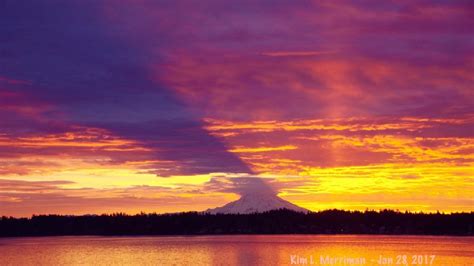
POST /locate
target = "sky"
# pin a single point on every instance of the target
(168, 106)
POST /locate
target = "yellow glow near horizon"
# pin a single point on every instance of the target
(416, 174)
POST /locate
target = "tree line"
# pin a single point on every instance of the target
(273, 222)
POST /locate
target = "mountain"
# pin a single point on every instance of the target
(256, 203)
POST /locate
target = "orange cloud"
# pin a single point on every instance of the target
(263, 149)
(356, 124)
(92, 138)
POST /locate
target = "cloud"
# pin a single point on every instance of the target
(263, 149)
(297, 53)
(354, 141)
(96, 79)
(248, 184)
(31, 186)
(23, 198)
(240, 185)
(362, 89)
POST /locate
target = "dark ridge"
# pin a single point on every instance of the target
(273, 222)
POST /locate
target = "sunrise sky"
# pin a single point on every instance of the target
(165, 106)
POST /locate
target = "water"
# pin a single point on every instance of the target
(237, 250)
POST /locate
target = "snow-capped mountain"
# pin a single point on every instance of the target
(253, 203)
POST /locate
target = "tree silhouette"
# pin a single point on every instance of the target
(272, 222)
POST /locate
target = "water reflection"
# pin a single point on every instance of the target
(236, 250)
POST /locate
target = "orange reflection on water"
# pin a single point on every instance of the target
(237, 250)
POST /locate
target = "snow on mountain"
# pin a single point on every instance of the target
(255, 203)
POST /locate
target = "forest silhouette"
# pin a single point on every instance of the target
(273, 222)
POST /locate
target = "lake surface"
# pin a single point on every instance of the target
(239, 250)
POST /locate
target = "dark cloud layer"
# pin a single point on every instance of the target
(71, 59)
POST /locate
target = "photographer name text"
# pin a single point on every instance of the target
(402, 259)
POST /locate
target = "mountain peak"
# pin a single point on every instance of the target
(256, 203)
